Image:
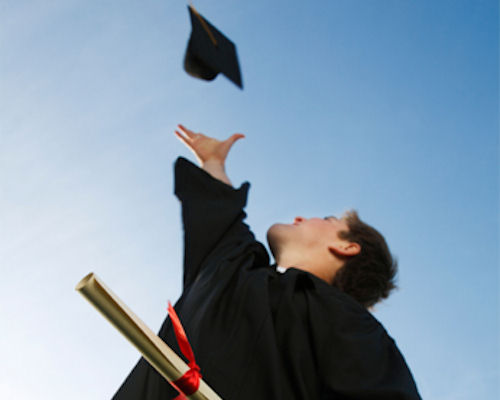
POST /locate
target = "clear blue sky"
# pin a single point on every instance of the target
(386, 106)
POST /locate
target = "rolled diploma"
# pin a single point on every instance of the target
(155, 350)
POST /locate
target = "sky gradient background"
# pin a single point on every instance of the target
(386, 106)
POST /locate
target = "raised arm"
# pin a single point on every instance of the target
(211, 153)
(212, 210)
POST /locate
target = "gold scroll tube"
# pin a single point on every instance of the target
(155, 350)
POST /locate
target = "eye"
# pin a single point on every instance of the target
(330, 217)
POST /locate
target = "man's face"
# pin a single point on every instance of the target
(306, 233)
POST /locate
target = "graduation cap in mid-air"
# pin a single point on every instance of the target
(210, 52)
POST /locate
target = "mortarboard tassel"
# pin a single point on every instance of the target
(203, 24)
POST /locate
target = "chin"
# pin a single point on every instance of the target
(275, 231)
(275, 237)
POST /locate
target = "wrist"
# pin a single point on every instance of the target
(213, 162)
(217, 169)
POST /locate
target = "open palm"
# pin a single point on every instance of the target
(205, 147)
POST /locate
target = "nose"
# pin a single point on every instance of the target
(298, 219)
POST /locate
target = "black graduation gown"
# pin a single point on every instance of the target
(260, 334)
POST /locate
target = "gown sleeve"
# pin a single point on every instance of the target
(212, 215)
(359, 360)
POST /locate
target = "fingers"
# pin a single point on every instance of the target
(184, 139)
(204, 146)
(189, 133)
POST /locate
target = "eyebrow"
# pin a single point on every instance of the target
(330, 216)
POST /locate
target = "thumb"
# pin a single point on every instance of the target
(235, 137)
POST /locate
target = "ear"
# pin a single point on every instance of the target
(345, 249)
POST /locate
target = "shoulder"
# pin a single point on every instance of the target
(336, 310)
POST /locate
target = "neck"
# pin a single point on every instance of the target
(321, 266)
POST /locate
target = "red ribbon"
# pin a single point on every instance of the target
(188, 383)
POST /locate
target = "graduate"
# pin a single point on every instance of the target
(299, 329)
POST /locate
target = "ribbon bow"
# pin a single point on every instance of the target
(188, 383)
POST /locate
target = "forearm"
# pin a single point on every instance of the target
(217, 170)
(208, 205)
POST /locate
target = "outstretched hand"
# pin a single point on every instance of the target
(207, 148)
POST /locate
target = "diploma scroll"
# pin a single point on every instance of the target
(155, 350)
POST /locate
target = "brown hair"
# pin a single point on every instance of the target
(370, 275)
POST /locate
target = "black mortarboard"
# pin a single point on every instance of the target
(210, 52)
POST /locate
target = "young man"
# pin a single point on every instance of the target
(259, 334)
